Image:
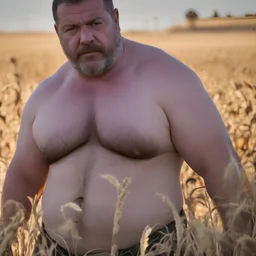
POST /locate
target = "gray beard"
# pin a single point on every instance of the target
(98, 68)
(94, 69)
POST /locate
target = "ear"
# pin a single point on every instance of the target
(56, 28)
(116, 16)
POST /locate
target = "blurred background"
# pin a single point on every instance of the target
(217, 39)
(31, 15)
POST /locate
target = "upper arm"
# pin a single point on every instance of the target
(27, 161)
(197, 129)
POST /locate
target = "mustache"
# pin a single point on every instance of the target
(88, 48)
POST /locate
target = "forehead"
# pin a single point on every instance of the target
(87, 8)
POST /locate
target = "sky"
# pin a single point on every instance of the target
(31, 15)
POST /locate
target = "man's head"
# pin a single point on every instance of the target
(89, 34)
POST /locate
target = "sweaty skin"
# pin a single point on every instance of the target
(142, 119)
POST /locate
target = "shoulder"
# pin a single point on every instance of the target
(170, 73)
(178, 89)
(45, 90)
(159, 62)
(172, 80)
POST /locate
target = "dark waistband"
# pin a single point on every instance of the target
(153, 238)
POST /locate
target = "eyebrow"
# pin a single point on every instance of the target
(88, 22)
(93, 20)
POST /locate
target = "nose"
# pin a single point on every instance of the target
(86, 36)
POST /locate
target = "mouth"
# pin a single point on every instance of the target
(88, 55)
(89, 52)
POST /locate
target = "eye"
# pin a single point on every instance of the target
(97, 23)
(69, 29)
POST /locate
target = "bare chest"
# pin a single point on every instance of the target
(124, 119)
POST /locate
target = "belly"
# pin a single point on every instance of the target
(79, 203)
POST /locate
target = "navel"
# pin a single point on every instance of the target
(80, 202)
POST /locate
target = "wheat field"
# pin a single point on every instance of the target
(226, 64)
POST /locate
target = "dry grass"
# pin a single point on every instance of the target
(226, 65)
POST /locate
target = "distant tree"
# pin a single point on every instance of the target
(250, 15)
(229, 15)
(191, 16)
(215, 14)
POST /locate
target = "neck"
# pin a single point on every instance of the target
(118, 64)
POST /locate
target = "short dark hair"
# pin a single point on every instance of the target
(107, 3)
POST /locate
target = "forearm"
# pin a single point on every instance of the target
(228, 193)
(235, 218)
(16, 191)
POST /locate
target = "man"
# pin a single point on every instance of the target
(115, 107)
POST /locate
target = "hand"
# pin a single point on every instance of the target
(5, 248)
